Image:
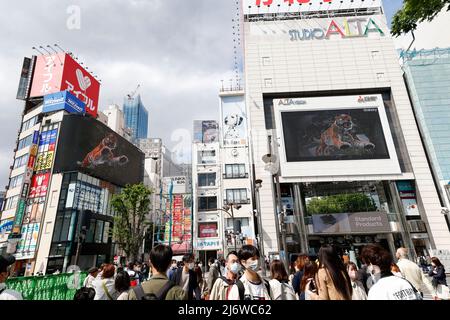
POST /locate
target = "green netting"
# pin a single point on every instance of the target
(51, 287)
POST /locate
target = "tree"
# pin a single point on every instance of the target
(414, 12)
(131, 207)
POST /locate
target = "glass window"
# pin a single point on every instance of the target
(30, 123)
(234, 171)
(206, 179)
(11, 202)
(25, 142)
(99, 232)
(91, 232)
(207, 203)
(16, 181)
(207, 156)
(236, 196)
(20, 161)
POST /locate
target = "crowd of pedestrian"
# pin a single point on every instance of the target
(238, 276)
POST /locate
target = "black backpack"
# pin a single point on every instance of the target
(160, 295)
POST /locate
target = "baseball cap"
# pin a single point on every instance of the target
(5, 262)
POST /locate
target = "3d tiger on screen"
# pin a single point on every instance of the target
(340, 137)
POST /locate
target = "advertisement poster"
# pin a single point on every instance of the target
(344, 134)
(60, 72)
(234, 121)
(63, 100)
(208, 230)
(407, 192)
(46, 150)
(100, 152)
(210, 131)
(26, 247)
(39, 185)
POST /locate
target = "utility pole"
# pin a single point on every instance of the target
(258, 185)
(282, 222)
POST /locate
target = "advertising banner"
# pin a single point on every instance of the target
(23, 91)
(39, 185)
(351, 134)
(26, 248)
(46, 150)
(257, 7)
(34, 211)
(407, 192)
(6, 226)
(210, 131)
(21, 206)
(234, 121)
(208, 244)
(63, 101)
(100, 152)
(60, 72)
(179, 184)
(208, 230)
(359, 222)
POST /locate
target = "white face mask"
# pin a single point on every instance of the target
(191, 266)
(252, 265)
(352, 274)
(374, 272)
(235, 268)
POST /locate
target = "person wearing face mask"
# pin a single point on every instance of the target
(172, 269)
(213, 274)
(386, 285)
(359, 293)
(250, 286)
(222, 286)
(186, 278)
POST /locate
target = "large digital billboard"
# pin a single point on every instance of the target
(334, 136)
(89, 146)
(60, 72)
(349, 134)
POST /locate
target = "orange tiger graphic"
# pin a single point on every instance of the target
(103, 154)
(339, 136)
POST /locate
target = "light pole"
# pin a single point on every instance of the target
(258, 185)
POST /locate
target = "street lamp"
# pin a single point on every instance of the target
(258, 185)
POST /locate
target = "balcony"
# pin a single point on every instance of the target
(235, 176)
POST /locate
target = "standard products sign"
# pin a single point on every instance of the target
(359, 222)
(348, 28)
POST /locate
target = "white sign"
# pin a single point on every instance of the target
(208, 244)
(256, 7)
(179, 184)
(234, 121)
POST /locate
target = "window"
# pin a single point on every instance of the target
(207, 156)
(235, 171)
(20, 161)
(25, 142)
(207, 203)
(11, 202)
(206, 179)
(266, 61)
(237, 196)
(268, 83)
(29, 123)
(99, 232)
(16, 181)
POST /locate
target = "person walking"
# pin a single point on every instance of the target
(223, 284)
(359, 292)
(104, 286)
(7, 294)
(308, 280)
(213, 274)
(280, 288)
(250, 286)
(122, 285)
(439, 282)
(410, 270)
(332, 280)
(299, 265)
(186, 278)
(173, 268)
(92, 275)
(387, 286)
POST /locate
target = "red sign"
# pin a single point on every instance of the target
(60, 72)
(39, 185)
(207, 230)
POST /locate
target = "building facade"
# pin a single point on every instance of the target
(136, 117)
(427, 74)
(115, 119)
(330, 119)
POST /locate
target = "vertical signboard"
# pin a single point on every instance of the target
(234, 121)
(407, 192)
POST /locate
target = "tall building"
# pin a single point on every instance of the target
(115, 119)
(136, 117)
(427, 73)
(332, 131)
(67, 166)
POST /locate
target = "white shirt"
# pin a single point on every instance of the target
(252, 291)
(412, 272)
(185, 281)
(9, 294)
(392, 288)
(88, 281)
(123, 296)
(281, 291)
(100, 293)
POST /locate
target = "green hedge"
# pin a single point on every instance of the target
(51, 287)
(341, 203)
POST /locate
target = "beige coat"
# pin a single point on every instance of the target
(325, 287)
(219, 290)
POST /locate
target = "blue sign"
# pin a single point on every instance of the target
(63, 100)
(6, 226)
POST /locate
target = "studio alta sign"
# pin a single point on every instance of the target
(348, 28)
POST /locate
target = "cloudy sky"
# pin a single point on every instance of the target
(177, 50)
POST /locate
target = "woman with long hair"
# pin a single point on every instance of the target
(333, 281)
(299, 264)
(359, 293)
(439, 281)
(280, 288)
(122, 284)
(308, 280)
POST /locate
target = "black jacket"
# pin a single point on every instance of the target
(193, 284)
(439, 277)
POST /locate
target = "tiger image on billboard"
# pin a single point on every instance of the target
(345, 134)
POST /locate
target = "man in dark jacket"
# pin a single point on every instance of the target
(186, 278)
